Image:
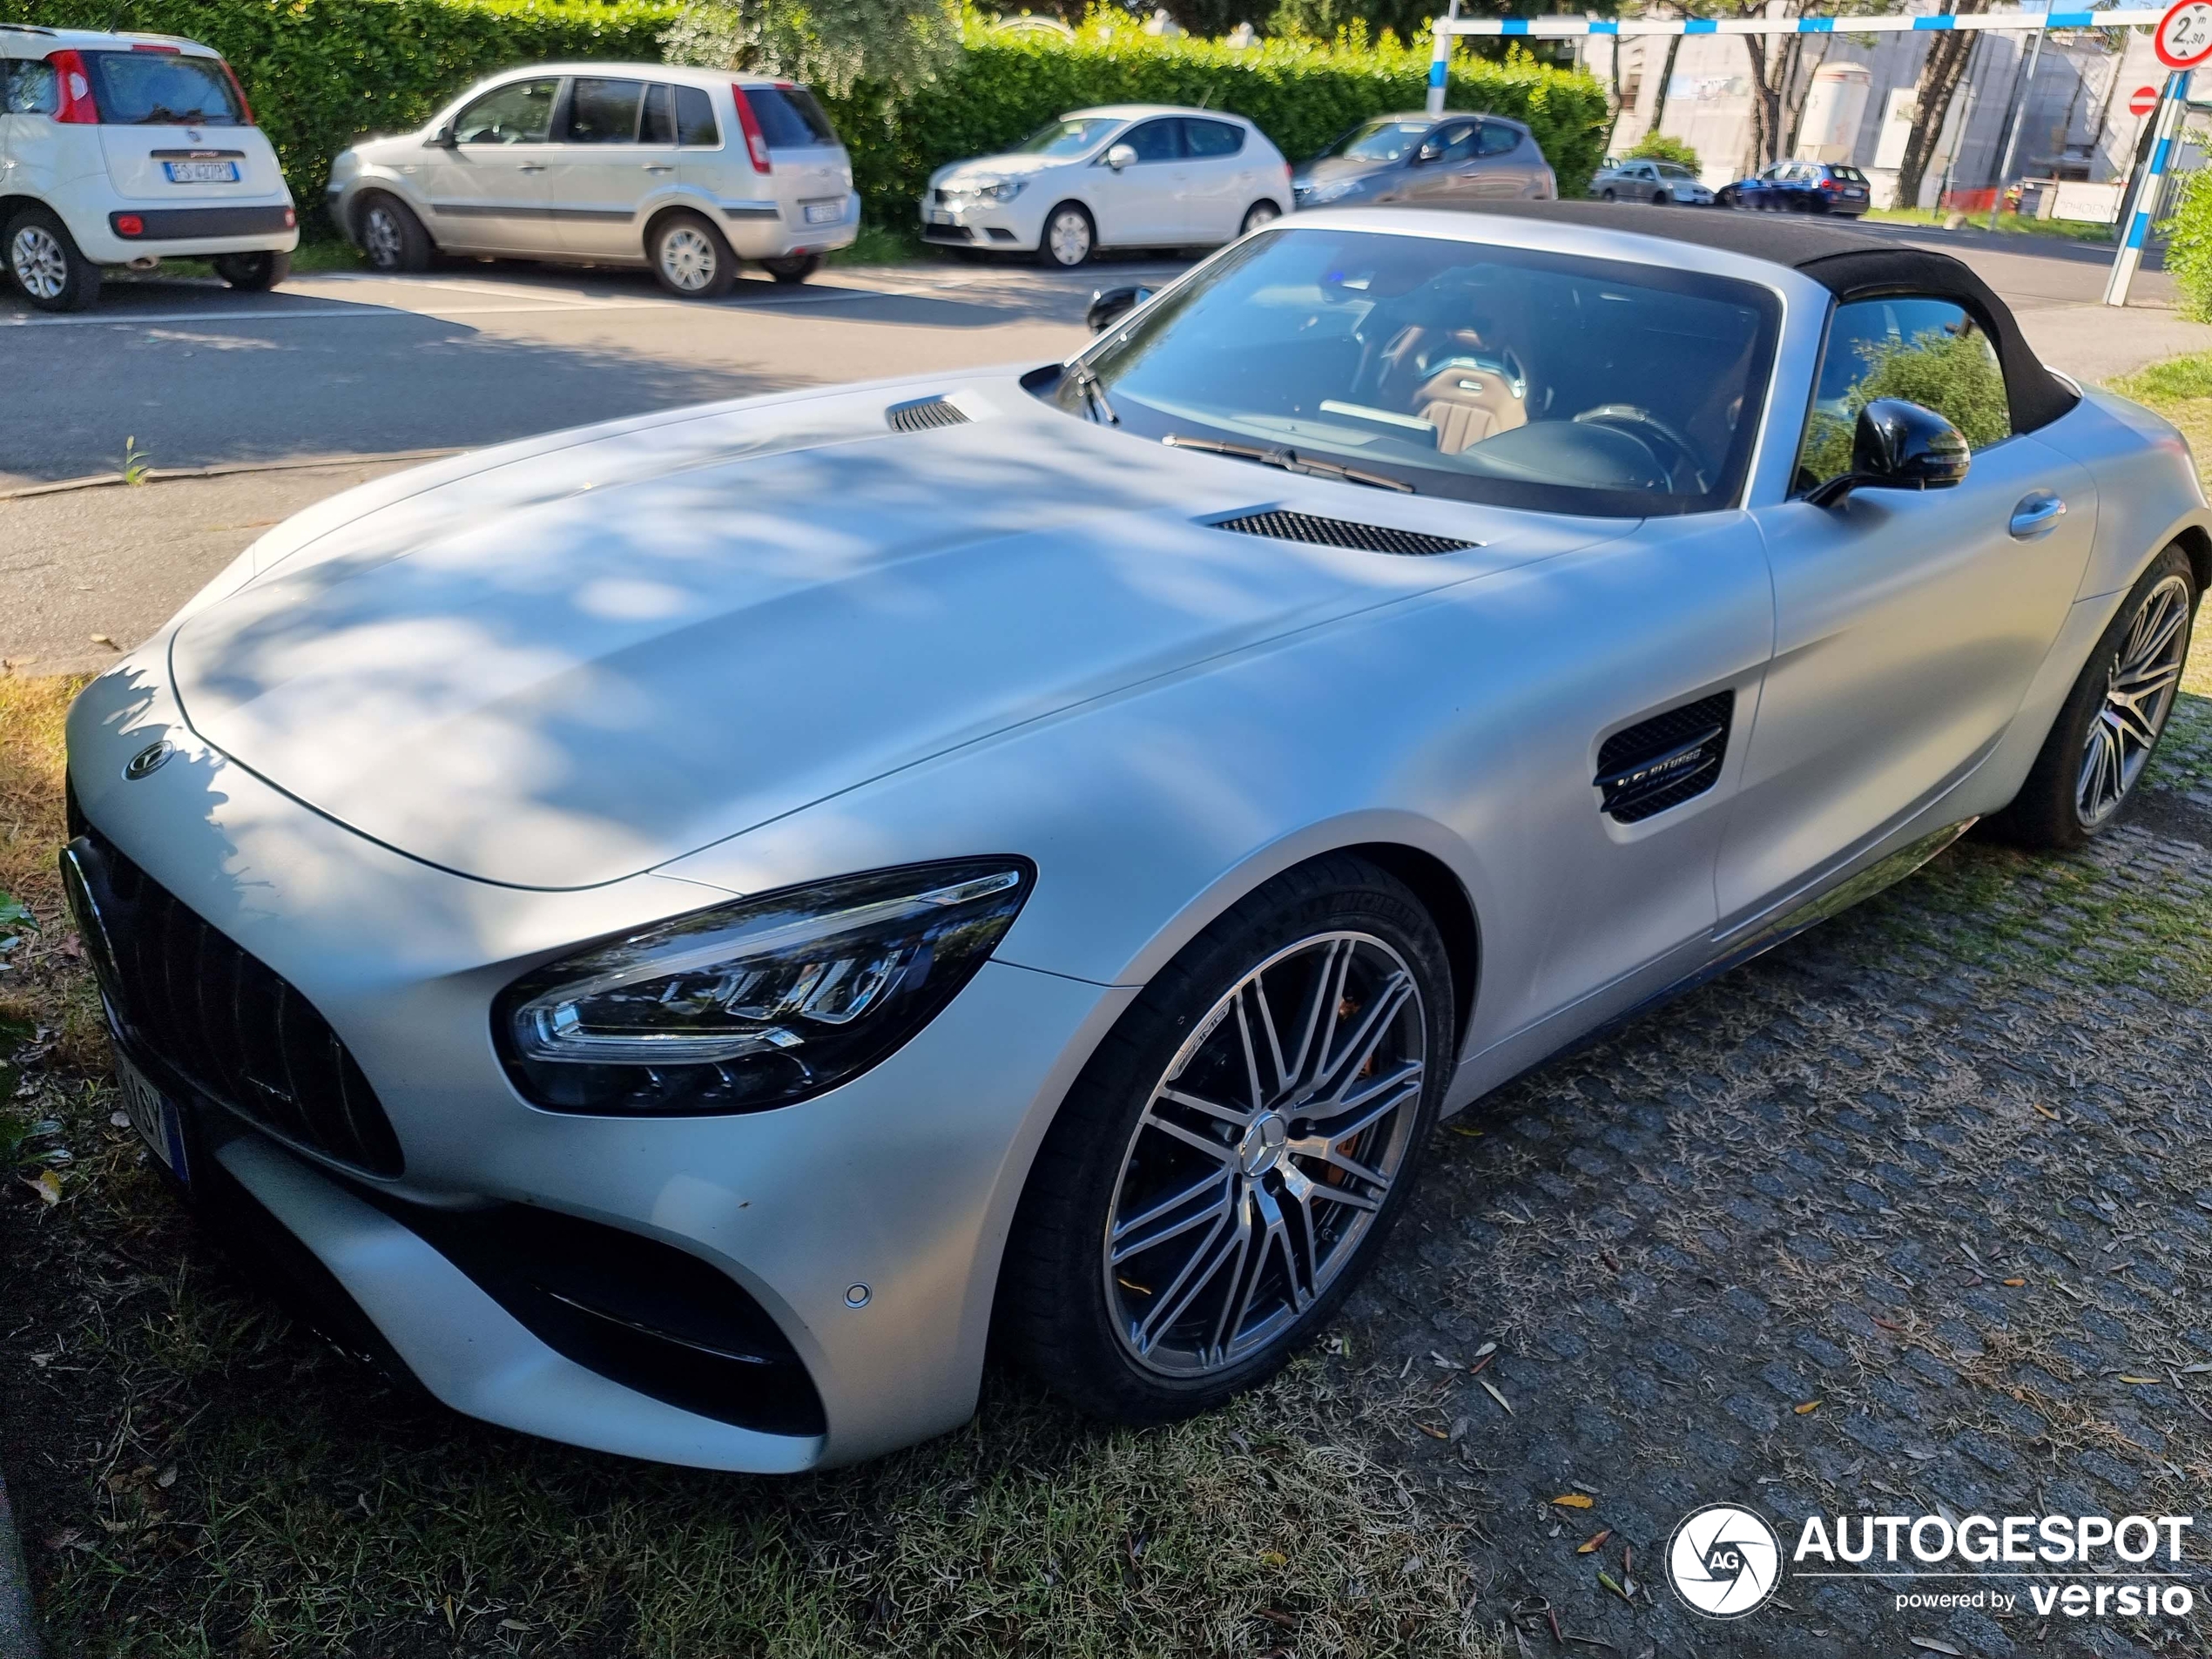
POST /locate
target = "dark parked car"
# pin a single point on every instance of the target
(1425, 158)
(1801, 187)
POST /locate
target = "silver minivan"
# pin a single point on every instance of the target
(686, 172)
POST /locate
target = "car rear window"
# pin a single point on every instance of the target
(789, 118)
(1848, 175)
(162, 89)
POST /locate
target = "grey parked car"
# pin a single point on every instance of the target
(1417, 158)
(1660, 183)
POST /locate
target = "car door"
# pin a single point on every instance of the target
(1141, 205)
(1908, 625)
(601, 167)
(1433, 167)
(1217, 187)
(486, 188)
(1495, 169)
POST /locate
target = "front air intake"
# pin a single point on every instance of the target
(923, 416)
(1340, 532)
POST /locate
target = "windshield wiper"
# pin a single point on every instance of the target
(1086, 379)
(1291, 461)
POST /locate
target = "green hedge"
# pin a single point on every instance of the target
(322, 73)
(2189, 253)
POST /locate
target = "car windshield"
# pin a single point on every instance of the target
(1508, 376)
(1069, 138)
(1675, 170)
(162, 89)
(1382, 139)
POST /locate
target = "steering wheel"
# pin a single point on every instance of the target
(1643, 424)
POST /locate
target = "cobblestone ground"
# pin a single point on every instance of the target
(1913, 1215)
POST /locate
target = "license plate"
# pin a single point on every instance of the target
(201, 173)
(160, 1125)
(824, 213)
(940, 219)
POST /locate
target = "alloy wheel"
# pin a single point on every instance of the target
(687, 258)
(1261, 213)
(380, 238)
(2139, 695)
(39, 265)
(1264, 1154)
(1069, 238)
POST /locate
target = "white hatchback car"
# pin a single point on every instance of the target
(1128, 175)
(683, 171)
(126, 150)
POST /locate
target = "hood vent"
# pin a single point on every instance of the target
(929, 412)
(1339, 532)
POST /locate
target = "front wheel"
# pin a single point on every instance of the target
(2112, 720)
(1258, 214)
(1229, 1163)
(43, 259)
(691, 261)
(392, 236)
(1606, 195)
(1070, 237)
(253, 273)
(796, 268)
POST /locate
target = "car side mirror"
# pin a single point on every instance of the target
(443, 139)
(1109, 306)
(1425, 154)
(1121, 156)
(1899, 445)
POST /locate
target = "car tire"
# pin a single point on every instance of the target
(1659, 198)
(797, 268)
(1607, 194)
(1069, 238)
(2104, 736)
(689, 258)
(1260, 213)
(253, 273)
(1335, 934)
(43, 261)
(391, 236)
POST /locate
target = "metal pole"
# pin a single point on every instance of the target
(1439, 66)
(2148, 188)
(2013, 129)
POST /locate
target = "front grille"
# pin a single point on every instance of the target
(929, 412)
(1665, 760)
(192, 1003)
(1339, 532)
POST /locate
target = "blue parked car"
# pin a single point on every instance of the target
(1801, 187)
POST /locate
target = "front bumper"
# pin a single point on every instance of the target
(902, 1181)
(997, 225)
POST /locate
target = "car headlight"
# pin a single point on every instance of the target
(1335, 190)
(760, 1002)
(1001, 189)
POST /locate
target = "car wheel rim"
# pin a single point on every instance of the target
(383, 235)
(1261, 215)
(40, 267)
(2139, 694)
(1070, 239)
(687, 258)
(1264, 1154)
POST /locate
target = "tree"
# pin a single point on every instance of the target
(1941, 73)
(832, 44)
(1656, 146)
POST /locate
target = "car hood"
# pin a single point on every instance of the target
(563, 668)
(982, 169)
(1329, 169)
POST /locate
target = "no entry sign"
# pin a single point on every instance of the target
(2143, 100)
(2184, 37)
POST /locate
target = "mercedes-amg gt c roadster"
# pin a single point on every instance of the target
(677, 934)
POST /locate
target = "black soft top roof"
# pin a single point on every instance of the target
(1850, 263)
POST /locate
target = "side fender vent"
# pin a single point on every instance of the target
(1340, 532)
(1665, 760)
(924, 415)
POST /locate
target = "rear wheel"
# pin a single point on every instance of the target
(797, 268)
(1258, 214)
(1070, 237)
(43, 258)
(1607, 194)
(391, 235)
(2112, 720)
(689, 258)
(1228, 1165)
(253, 273)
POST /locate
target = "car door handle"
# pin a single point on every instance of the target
(656, 166)
(530, 167)
(2037, 513)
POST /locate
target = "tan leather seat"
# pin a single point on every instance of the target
(1467, 405)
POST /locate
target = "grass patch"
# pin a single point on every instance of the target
(880, 244)
(2063, 230)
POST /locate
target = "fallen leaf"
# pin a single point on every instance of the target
(2198, 1369)
(1459, 1427)
(1433, 1432)
(102, 639)
(1932, 1645)
(1486, 1351)
(1606, 1578)
(1810, 1406)
(2015, 1283)
(512, 1624)
(46, 1184)
(2046, 1111)
(2140, 1379)
(1495, 1395)
(1472, 1134)
(1277, 1617)
(1573, 1500)
(1887, 1325)
(1475, 1370)
(1596, 1540)
(1273, 1558)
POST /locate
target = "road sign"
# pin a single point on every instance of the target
(2143, 100)
(2184, 34)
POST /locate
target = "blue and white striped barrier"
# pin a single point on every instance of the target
(2148, 192)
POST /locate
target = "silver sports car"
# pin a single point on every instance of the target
(674, 934)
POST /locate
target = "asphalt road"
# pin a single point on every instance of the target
(357, 365)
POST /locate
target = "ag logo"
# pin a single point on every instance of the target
(1724, 1561)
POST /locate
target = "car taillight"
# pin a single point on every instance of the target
(1830, 184)
(756, 144)
(244, 108)
(152, 47)
(77, 106)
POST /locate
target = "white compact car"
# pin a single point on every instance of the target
(685, 171)
(1128, 175)
(127, 150)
